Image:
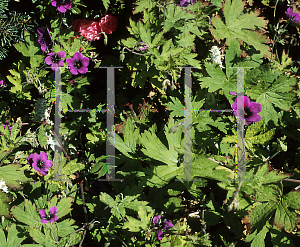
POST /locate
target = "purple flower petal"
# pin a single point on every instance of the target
(156, 219)
(74, 71)
(55, 67)
(42, 212)
(70, 61)
(61, 63)
(53, 3)
(293, 16)
(44, 155)
(255, 107)
(167, 225)
(61, 54)
(78, 64)
(78, 56)
(44, 39)
(48, 60)
(250, 109)
(85, 62)
(53, 210)
(160, 234)
(83, 70)
(186, 3)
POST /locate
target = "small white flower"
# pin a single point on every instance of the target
(216, 56)
(3, 186)
(51, 141)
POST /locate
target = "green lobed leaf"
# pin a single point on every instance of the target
(64, 206)
(155, 149)
(143, 5)
(285, 218)
(5, 200)
(29, 217)
(145, 34)
(65, 227)
(238, 26)
(217, 79)
(259, 239)
(14, 237)
(258, 216)
(29, 47)
(12, 176)
(173, 14)
(39, 237)
(36, 60)
(293, 199)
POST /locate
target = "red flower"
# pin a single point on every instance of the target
(87, 28)
(108, 24)
(91, 29)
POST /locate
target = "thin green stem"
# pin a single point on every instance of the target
(56, 237)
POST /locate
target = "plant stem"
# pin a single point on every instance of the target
(56, 237)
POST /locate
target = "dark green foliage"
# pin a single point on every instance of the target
(12, 27)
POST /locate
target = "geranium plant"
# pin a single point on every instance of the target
(150, 123)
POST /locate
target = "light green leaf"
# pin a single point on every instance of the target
(143, 5)
(27, 48)
(65, 227)
(108, 200)
(29, 217)
(64, 206)
(238, 26)
(157, 39)
(106, 3)
(176, 108)
(259, 239)
(5, 200)
(145, 34)
(36, 60)
(155, 149)
(41, 238)
(12, 176)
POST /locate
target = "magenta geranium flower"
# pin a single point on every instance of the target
(62, 5)
(186, 3)
(1, 84)
(78, 64)
(294, 17)
(143, 46)
(251, 109)
(48, 218)
(6, 125)
(40, 163)
(55, 60)
(165, 225)
(45, 39)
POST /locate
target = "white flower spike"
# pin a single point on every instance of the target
(216, 56)
(3, 186)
